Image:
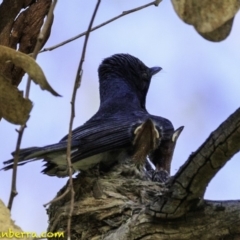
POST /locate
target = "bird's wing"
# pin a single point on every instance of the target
(95, 136)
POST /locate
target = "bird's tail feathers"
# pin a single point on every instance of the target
(35, 153)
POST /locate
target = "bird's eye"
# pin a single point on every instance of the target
(145, 76)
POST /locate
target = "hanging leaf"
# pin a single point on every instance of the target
(13, 107)
(28, 64)
(212, 19)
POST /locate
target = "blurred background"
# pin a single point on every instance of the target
(197, 88)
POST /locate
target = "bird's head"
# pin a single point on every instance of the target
(126, 70)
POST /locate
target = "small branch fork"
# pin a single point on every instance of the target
(187, 187)
(124, 13)
(41, 38)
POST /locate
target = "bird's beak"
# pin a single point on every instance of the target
(155, 70)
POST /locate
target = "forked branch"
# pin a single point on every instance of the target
(124, 13)
(188, 186)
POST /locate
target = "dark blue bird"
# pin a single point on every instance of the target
(122, 128)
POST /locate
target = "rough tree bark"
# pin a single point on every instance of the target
(122, 204)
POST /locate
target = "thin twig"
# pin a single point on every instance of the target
(76, 86)
(41, 38)
(56, 199)
(124, 13)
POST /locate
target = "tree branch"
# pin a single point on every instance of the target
(42, 36)
(198, 224)
(188, 186)
(124, 13)
(76, 86)
(112, 206)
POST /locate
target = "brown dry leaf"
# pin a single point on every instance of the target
(220, 33)
(28, 64)
(13, 107)
(8, 226)
(20, 25)
(212, 19)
